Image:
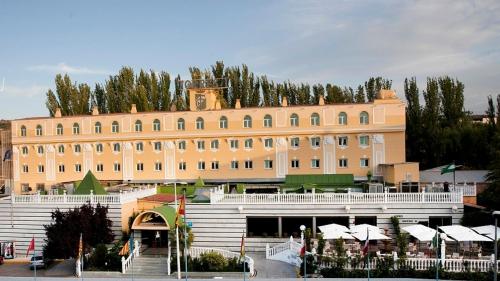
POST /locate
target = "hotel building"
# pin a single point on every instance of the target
(259, 145)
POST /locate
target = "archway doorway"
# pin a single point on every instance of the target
(152, 226)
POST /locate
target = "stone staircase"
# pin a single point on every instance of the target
(150, 266)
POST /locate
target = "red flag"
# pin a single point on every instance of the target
(180, 211)
(365, 247)
(303, 251)
(31, 247)
(242, 247)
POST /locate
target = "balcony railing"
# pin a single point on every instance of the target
(218, 197)
(118, 198)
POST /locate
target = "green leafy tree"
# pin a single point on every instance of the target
(63, 233)
(360, 95)
(413, 120)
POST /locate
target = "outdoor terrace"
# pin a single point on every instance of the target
(218, 196)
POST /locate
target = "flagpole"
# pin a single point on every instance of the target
(242, 255)
(177, 237)
(437, 244)
(81, 256)
(368, 251)
(34, 255)
(185, 236)
(454, 168)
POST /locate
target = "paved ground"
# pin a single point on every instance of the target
(138, 279)
(21, 268)
(272, 269)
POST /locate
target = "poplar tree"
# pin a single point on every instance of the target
(318, 90)
(360, 95)
(413, 119)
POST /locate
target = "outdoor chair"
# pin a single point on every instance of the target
(455, 256)
(378, 254)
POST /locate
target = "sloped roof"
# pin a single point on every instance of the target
(434, 175)
(89, 183)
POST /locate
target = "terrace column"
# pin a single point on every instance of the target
(314, 226)
(280, 227)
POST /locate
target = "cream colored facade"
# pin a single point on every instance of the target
(267, 143)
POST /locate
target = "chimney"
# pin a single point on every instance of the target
(133, 109)
(238, 104)
(173, 107)
(58, 113)
(217, 105)
(284, 101)
(95, 110)
(321, 100)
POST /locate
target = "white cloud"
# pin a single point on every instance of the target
(26, 92)
(65, 68)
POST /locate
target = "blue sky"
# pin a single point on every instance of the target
(341, 42)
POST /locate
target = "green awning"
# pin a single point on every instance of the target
(168, 214)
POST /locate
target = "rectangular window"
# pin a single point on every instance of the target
(158, 166)
(363, 162)
(364, 141)
(78, 168)
(268, 164)
(140, 167)
(315, 163)
(248, 143)
(342, 141)
(439, 221)
(201, 165)
(201, 145)
(182, 166)
(294, 142)
(248, 164)
(116, 167)
(315, 142)
(25, 169)
(214, 144)
(343, 163)
(295, 163)
(61, 168)
(182, 145)
(100, 167)
(234, 165)
(41, 168)
(268, 143)
(139, 146)
(25, 187)
(233, 144)
(158, 146)
(215, 165)
(40, 187)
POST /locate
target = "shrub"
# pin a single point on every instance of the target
(98, 257)
(213, 261)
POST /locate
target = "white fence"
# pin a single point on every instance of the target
(468, 189)
(118, 198)
(127, 262)
(218, 197)
(452, 265)
(195, 252)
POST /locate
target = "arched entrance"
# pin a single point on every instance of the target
(152, 226)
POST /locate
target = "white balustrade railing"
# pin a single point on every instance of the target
(118, 198)
(336, 198)
(127, 262)
(467, 189)
(195, 252)
(452, 265)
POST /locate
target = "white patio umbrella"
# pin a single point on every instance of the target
(462, 234)
(372, 235)
(488, 231)
(421, 232)
(334, 234)
(363, 227)
(333, 227)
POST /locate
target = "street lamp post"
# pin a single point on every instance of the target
(176, 232)
(495, 267)
(302, 229)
